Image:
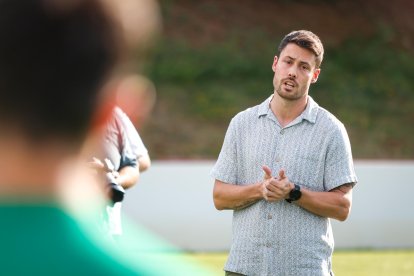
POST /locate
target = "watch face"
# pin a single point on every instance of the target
(295, 194)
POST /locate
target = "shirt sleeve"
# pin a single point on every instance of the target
(339, 167)
(128, 158)
(135, 142)
(127, 155)
(225, 168)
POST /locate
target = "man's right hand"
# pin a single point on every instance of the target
(96, 164)
(275, 188)
(266, 180)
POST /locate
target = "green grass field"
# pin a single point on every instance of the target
(354, 263)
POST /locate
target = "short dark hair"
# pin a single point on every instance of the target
(54, 61)
(307, 40)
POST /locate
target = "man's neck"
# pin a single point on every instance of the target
(287, 110)
(28, 170)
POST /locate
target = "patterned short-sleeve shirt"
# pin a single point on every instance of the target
(280, 238)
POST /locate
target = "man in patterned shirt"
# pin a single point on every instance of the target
(281, 222)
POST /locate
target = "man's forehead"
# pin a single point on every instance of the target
(296, 52)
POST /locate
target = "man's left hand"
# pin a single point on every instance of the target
(279, 187)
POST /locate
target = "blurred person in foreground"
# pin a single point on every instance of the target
(281, 222)
(56, 57)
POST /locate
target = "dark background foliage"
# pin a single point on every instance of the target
(214, 59)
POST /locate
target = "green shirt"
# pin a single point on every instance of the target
(42, 239)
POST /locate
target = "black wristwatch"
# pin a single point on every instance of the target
(294, 194)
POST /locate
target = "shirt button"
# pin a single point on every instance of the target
(268, 245)
(282, 131)
(269, 216)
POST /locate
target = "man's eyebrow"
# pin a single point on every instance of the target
(301, 62)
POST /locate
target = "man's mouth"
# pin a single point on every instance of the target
(289, 84)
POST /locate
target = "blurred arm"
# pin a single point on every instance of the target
(128, 176)
(144, 162)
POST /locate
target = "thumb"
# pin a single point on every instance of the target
(267, 171)
(282, 174)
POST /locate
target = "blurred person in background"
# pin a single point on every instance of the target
(123, 147)
(123, 156)
(281, 223)
(135, 94)
(135, 98)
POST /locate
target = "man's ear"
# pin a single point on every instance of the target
(315, 76)
(104, 107)
(274, 64)
(103, 112)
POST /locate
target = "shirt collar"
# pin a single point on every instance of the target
(264, 107)
(310, 113)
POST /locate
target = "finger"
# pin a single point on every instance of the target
(264, 192)
(270, 195)
(96, 166)
(282, 174)
(273, 197)
(269, 187)
(267, 171)
(94, 159)
(284, 185)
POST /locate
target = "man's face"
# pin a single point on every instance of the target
(295, 70)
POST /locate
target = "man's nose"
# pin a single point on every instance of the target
(292, 73)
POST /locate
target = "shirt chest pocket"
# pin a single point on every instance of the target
(306, 170)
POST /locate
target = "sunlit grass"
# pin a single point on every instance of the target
(378, 263)
(345, 262)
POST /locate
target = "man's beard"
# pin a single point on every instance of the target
(293, 95)
(290, 96)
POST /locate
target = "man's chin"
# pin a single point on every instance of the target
(288, 95)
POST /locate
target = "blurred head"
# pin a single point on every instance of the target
(140, 21)
(55, 57)
(136, 96)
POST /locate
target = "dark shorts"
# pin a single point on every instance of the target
(229, 273)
